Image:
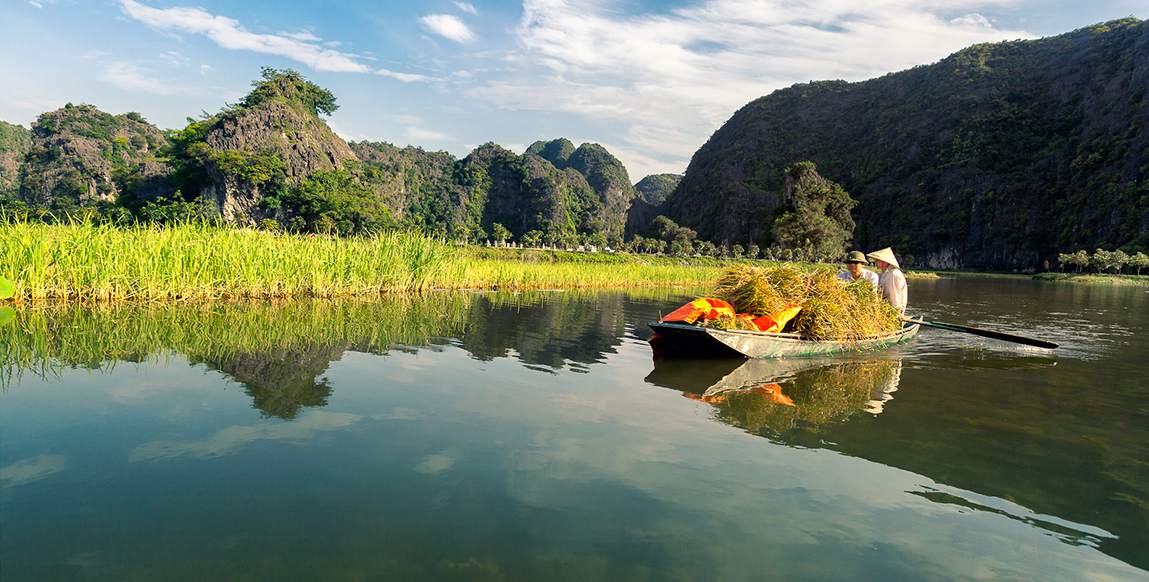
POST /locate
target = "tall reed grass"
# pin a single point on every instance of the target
(86, 261)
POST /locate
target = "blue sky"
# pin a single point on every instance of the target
(649, 79)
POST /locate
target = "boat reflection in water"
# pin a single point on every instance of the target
(780, 397)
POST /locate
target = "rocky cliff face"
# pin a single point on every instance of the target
(542, 189)
(557, 151)
(274, 139)
(650, 193)
(527, 192)
(998, 156)
(15, 141)
(604, 172)
(416, 184)
(81, 156)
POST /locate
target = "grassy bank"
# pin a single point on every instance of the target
(92, 262)
(1094, 278)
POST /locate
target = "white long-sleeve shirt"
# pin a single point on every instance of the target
(867, 275)
(892, 282)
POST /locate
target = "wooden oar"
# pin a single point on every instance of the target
(1007, 337)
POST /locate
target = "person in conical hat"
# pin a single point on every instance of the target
(855, 269)
(892, 281)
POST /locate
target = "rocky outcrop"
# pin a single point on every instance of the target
(998, 156)
(81, 156)
(15, 141)
(299, 142)
(556, 151)
(416, 184)
(606, 174)
(650, 193)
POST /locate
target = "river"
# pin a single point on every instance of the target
(501, 436)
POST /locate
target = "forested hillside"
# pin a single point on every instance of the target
(998, 156)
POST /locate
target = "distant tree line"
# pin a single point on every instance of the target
(1103, 261)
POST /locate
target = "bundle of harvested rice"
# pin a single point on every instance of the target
(830, 308)
(758, 290)
(727, 322)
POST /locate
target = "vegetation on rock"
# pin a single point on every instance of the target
(15, 141)
(997, 156)
(816, 215)
(83, 157)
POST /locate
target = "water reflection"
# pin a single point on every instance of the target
(783, 399)
(1050, 442)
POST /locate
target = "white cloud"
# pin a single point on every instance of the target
(233, 438)
(174, 58)
(435, 464)
(419, 135)
(303, 36)
(668, 80)
(404, 77)
(448, 26)
(31, 469)
(973, 20)
(130, 77)
(230, 34)
(466, 7)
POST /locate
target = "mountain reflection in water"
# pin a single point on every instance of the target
(1055, 442)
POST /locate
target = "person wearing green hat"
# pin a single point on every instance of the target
(855, 269)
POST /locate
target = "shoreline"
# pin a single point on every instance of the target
(83, 262)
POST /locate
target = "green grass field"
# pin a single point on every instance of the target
(96, 262)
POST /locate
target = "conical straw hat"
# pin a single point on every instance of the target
(886, 254)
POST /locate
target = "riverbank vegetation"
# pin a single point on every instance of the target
(1103, 261)
(103, 262)
(1094, 279)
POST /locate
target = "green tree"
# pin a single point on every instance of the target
(335, 202)
(1101, 260)
(664, 228)
(706, 248)
(532, 238)
(500, 233)
(681, 248)
(1118, 260)
(1081, 260)
(653, 245)
(289, 85)
(597, 240)
(817, 213)
(1064, 259)
(753, 252)
(1139, 261)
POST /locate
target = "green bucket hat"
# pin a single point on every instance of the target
(856, 257)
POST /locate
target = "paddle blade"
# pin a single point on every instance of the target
(7, 288)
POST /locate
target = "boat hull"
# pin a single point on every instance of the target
(677, 339)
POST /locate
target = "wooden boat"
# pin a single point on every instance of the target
(678, 339)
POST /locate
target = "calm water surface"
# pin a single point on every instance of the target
(532, 437)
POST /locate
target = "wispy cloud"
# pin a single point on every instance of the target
(466, 7)
(668, 80)
(135, 78)
(31, 469)
(228, 33)
(419, 135)
(404, 77)
(234, 438)
(448, 26)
